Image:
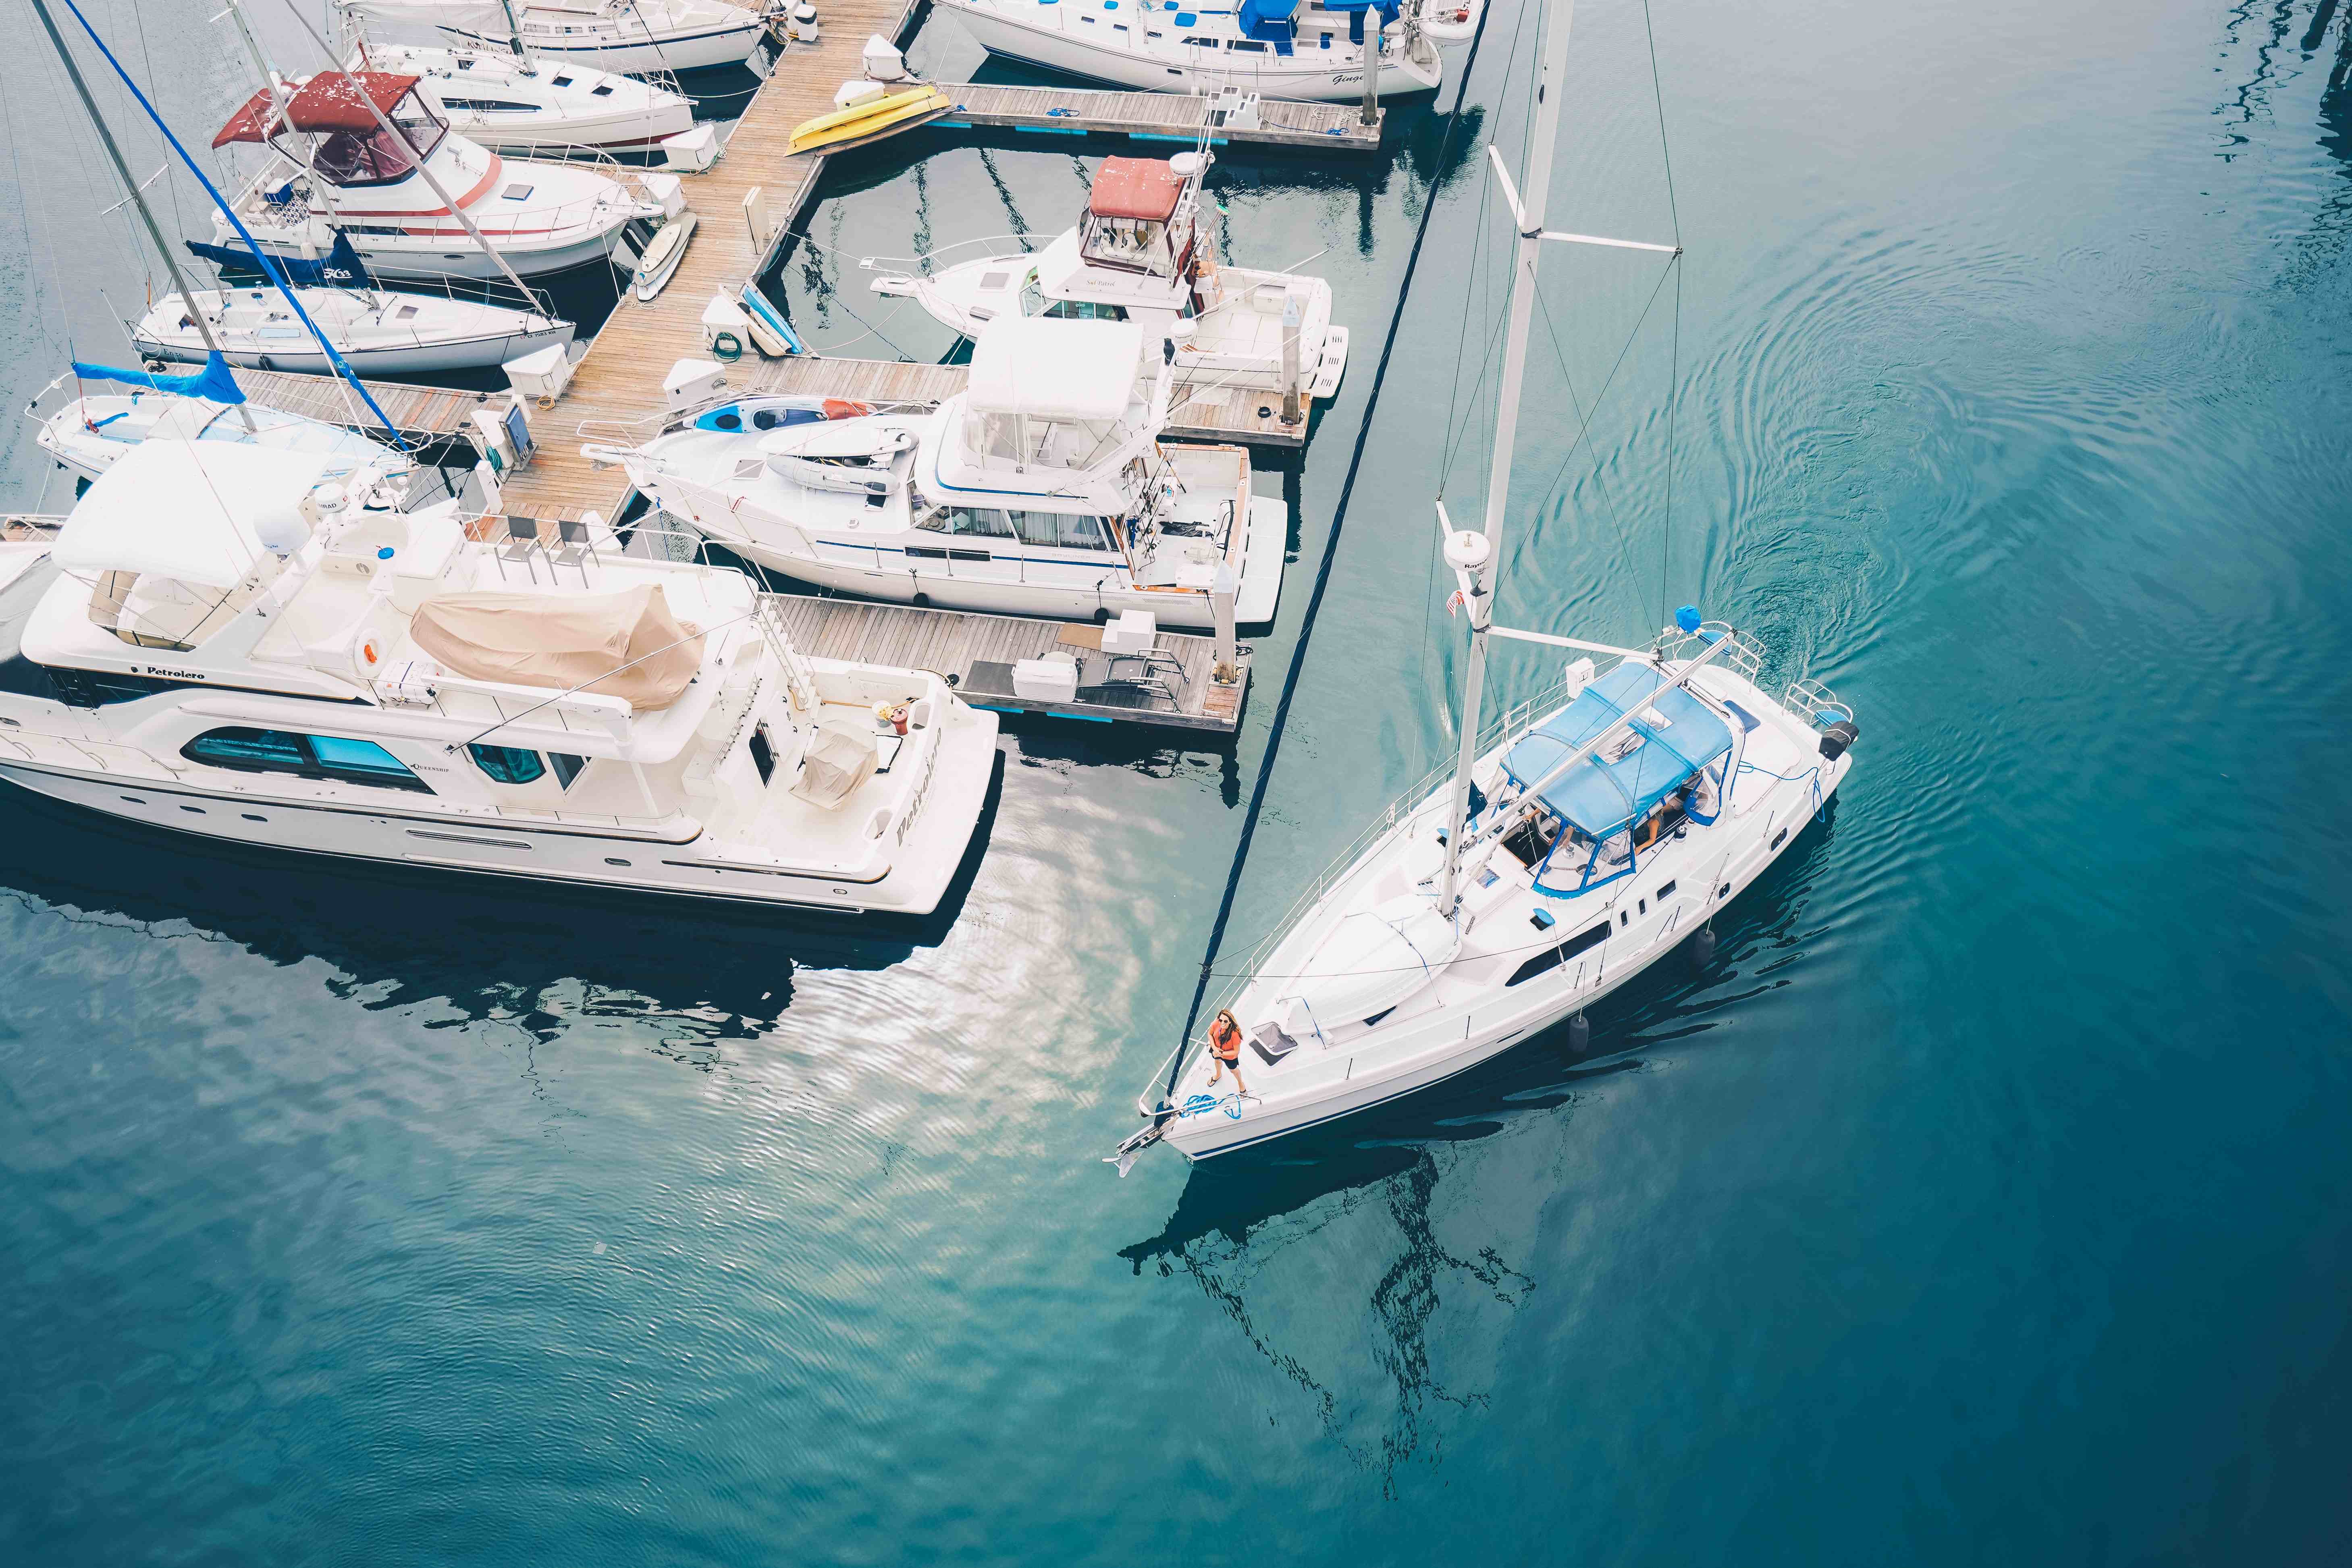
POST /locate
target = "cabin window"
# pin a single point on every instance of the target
(1246, 46)
(979, 522)
(1062, 531)
(331, 757)
(567, 767)
(1553, 957)
(508, 764)
(764, 756)
(378, 157)
(1085, 310)
(1665, 891)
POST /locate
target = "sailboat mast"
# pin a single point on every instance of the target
(138, 197)
(1480, 565)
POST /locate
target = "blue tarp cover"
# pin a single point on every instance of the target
(213, 383)
(1597, 796)
(1267, 19)
(340, 268)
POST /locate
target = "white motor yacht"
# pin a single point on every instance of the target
(1279, 48)
(1138, 255)
(225, 641)
(1566, 849)
(1041, 489)
(610, 34)
(519, 104)
(376, 332)
(89, 432)
(333, 169)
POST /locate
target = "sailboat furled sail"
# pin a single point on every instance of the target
(1570, 844)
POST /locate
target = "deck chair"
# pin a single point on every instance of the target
(524, 544)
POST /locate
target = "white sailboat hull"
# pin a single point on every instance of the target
(493, 99)
(696, 46)
(1036, 36)
(395, 334)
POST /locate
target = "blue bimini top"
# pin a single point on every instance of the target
(1600, 796)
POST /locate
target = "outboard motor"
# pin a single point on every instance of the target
(1838, 737)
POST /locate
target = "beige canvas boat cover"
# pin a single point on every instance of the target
(837, 761)
(567, 642)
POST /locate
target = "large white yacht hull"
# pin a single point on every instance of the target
(850, 569)
(1297, 76)
(383, 833)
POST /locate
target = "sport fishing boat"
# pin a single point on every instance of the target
(375, 331)
(333, 168)
(1575, 843)
(89, 432)
(228, 642)
(1279, 48)
(1041, 489)
(1138, 255)
(632, 35)
(521, 104)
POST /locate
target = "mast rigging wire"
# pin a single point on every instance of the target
(1323, 571)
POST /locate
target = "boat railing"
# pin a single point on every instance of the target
(1815, 703)
(1742, 655)
(927, 260)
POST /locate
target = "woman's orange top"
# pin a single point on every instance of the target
(1224, 1040)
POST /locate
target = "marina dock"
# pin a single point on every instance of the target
(425, 414)
(979, 652)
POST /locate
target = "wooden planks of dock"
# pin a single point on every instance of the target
(979, 651)
(1162, 116)
(425, 413)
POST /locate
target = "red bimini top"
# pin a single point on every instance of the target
(331, 100)
(1136, 188)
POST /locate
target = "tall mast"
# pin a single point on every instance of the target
(1475, 555)
(138, 196)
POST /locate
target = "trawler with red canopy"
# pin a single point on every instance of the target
(360, 153)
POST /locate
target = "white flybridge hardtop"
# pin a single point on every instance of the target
(1276, 48)
(1042, 489)
(1570, 844)
(512, 103)
(377, 332)
(1138, 255)
(362, 154)
(225, 641)
(611, 35)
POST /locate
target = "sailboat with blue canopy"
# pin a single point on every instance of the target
(1672, 736)
(214, 383)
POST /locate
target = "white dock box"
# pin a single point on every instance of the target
(1047, 680)
(1135, 631)
(543, 373)
(692, 150)
(724, 317)
(858, 90)
(692, 381)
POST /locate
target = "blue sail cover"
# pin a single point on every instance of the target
(340, 268)
(1601, 796)
(214, 384)
(1268, 20)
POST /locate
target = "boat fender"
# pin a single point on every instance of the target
(726, 347)
(1702, 947)
(1579, 1036)
(370, 654)
(1838, 737)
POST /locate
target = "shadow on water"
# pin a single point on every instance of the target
(1238, 1214)
(2280, 54)
(480, 942)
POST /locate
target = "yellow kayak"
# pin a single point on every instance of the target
(866, 119)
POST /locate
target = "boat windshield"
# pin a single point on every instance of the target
(374, 157)
(1127, 245)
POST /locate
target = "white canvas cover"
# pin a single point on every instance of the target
(186, 510)
(565, 641)
(1053, 369)
(839, 758)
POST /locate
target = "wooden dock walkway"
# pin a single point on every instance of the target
(1161, 116)
(427, 414)
(979, 652)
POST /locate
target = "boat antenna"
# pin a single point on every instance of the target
(1474, 556)
(384, 123)
(139, 197)
(228, 208)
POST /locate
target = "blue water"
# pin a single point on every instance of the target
(1982, 1202)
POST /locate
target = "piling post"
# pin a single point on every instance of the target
(1291, 328)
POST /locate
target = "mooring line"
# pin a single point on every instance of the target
(1323, 567)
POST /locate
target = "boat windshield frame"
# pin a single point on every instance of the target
(380, 157)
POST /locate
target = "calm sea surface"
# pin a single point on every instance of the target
(1983, 1201)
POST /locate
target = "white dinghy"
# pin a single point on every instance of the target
(1138, 254)
(1567, 847)
(227, 642)
(1041, 489)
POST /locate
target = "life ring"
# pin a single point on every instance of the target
(726, 347)
(371, 653)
